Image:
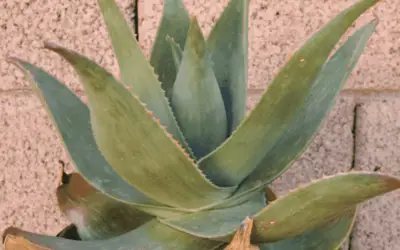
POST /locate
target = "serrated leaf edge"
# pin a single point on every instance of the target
(17, 62)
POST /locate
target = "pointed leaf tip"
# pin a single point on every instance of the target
(174, 23)
(228, 44)
(205, 108)
(328, 198)
(278, 108)
(114, 111)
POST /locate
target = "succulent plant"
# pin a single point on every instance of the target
(178, 164)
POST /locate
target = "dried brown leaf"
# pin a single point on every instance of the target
(20, 243)
(241, 240)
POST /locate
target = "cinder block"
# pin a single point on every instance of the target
(75, 24)
(30, 158)
(378, 147)
(277, 29)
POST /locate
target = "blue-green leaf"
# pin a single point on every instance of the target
(234, 160)
(175, 24)
(196, 97)
(153, 236)
(318, 103)
(135, 144)
(136, 71)
(327, 237)
(228, 43)
(218, 223)
(72, 118)
(311, 206)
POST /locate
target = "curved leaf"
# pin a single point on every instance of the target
(71, 117)
(175, 24)
(312, 113)
(313, 205)
(136, 71)
(228, 43)
(258, 134)
(135, 144)
(153, 235)
(216, 224)
(327, 237)
(196, 98)
(95, 215)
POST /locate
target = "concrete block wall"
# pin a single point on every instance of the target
(361, 132)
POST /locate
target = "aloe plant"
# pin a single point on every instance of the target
(172, 162)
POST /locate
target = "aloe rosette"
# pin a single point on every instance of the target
(166, 157)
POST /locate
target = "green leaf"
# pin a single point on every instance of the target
(71, 116)
(313, 205)
(135, 144)
(176, 52)
(175, 24)
(196, 98)
(136, 71)
(153, 236)
(216, 224)
(95, 215)
(327, 237)
(270, 119)
(228, 43)
(318, 103)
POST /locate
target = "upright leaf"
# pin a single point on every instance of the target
(250, 143)
(71, 116)
(313, 205)
(318, 103)
(95, 215)
(196, 98)
(327, 237)
(228, 43)
(136, 71)
(135, 144)
(175, 24)
(153, 235)
(176, 52)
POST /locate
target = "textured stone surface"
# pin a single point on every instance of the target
(277, 28)
(75, 24)
(30, 152)
(378, 147)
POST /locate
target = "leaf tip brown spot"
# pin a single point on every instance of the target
(241, 239)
